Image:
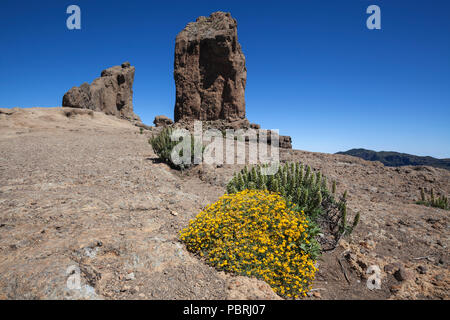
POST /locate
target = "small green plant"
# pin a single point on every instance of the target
(307, 190)
(141, 130)
(433, 201)
(163, 146)
(345, 228)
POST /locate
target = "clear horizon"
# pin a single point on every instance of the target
(314, 70)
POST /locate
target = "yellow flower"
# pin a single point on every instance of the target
(254, 233)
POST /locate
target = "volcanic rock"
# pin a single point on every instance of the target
(112, 93)
(286, 142)
(162, 121)
(402, 274)
(209, 71)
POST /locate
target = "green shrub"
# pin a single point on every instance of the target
(307, 190)
(433, 201)
(163, 146)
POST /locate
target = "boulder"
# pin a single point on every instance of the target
(7, 111)
(402, 274)
(285, 142)
(112, 93)
(209, 70)
(162, 121)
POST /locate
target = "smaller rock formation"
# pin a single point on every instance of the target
(8, 111)
(162, 121)
(285, 142)
(112, 93)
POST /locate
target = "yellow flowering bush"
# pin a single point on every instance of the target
(256, 233)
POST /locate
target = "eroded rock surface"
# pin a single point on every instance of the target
(162, 121)
(112, 93)
(83, 194)
(210, 73)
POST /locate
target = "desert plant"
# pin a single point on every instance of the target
(298, 184)
(163, 146)
(333, 188)
(422, 195)
(257, 233)
(345, 228)
(141, 130)
(308, 191)
(433, 201)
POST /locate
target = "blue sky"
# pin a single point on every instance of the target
(314, 70)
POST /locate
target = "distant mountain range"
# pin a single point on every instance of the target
(396, 159)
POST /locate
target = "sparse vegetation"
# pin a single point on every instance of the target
(268, 225)
(306, 189)
(257, 233)
(433, 201)
(141, 130)
(163, 146)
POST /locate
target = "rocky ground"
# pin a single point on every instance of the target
(84, 191)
